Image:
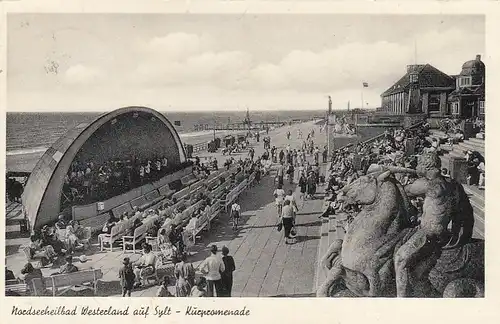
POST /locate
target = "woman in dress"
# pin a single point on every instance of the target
(166, 248)
(184, 274)
(303, 187)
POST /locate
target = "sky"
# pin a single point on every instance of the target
(204, 62)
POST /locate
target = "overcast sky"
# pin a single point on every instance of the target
(92, 62)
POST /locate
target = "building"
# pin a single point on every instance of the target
(467, 100)
(428, 91)
(138, 131)
(422, 90)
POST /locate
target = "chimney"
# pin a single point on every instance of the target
(478, 57)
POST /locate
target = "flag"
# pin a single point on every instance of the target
(365, 84)
(177, 123)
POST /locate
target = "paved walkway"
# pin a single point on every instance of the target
(265, 265)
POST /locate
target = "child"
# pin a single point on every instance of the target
(127, 277)
(163, 290)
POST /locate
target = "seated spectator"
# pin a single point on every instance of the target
(9, 274)
(28, 273)
(45, 253)
(71, 237)
(146, 265)
(69, 267)
(49, 238)
(163, 290)
(106, 229)
(61, 223)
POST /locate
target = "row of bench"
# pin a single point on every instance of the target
(55, 283)
(119, 231)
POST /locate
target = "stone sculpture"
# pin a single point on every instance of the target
(362, 265)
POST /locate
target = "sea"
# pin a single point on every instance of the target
(31, 133)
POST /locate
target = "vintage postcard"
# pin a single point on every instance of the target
(317, 155)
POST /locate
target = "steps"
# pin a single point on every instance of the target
(476, 195)
(330, 231)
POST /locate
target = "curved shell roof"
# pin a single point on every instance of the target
(42, 195)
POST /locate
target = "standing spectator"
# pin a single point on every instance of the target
(311, 185)
(235, 214)
(213, 267)
(482, 170)
(227, 274)
(184, 274)
(127, 277)
(303, 187)
(279, 173)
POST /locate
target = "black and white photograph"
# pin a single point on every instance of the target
(245, 155)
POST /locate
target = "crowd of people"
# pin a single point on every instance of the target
(87, 182)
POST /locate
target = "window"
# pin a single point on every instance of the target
(434, 102)
(481, 107)
(465, 81)
(454, 108)
(413, 77)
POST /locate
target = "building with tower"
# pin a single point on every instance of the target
(428, 91)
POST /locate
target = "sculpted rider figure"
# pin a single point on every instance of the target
(445, 201)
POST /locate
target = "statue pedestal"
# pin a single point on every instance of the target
(458, 169)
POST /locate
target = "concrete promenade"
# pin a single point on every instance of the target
(265, 265)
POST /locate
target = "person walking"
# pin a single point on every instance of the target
(279, 195)
(212, 268)
(287, 219)
(227, 274)
(290, 197)
(235, 214)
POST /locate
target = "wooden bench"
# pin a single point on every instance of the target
(117, 232)
(181, 193)
(67, 281)
(16, 287)
(188, 180)
(138, 235)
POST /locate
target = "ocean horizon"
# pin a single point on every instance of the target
(34, 132)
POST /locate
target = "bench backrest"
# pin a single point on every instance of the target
(141, 230)
(152, 195)
(120, 210)
(166, 191)
(138, 201)
(181, 193)
(74, 278)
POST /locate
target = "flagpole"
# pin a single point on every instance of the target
(328, 127)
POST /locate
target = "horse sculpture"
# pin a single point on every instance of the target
(362, 264)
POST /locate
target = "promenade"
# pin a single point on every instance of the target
(265, 265)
